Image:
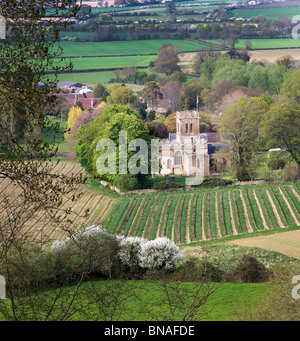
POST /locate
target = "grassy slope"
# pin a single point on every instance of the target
(228, 303)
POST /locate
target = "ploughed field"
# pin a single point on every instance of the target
(40, 226)
(199, 215)
(182, 216)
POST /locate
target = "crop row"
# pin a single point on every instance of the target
(204, 215)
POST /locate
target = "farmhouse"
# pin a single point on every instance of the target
(84, 96)
(68, 86)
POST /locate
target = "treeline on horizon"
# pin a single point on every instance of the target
(105, 28)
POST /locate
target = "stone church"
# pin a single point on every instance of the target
(185, 152)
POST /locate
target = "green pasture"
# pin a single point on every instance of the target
(140, 47)
(111, 62)
(122, 48)
(269, 13)
(148, 301)
(86, 77)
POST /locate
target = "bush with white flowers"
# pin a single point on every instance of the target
(159, 253)
(94, 231)
(93, 250)
(58, 246)
(129, 248)
(93, 245)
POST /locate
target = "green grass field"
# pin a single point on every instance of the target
(269, 13)
(111, 62)
(88, 78)
(148, 301)
(137, 48)
(134, 47)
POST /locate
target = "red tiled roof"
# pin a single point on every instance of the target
(86, 101)
(89, 102)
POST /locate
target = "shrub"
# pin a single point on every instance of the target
(248, 270)
(268, 175)
(127, 182)
(129, 248)
(215, 182)
(242, 174)
(290, 172)
(276, 164)
(165, 184)
(99, 253)
(159, 253)
(92, 250)
(195, 270)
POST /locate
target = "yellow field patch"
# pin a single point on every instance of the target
(287, 243)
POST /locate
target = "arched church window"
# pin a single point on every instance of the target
(191, 127)
(177, 159)
(186, 128)
(168, 164)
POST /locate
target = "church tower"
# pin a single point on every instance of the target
(187, 125)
